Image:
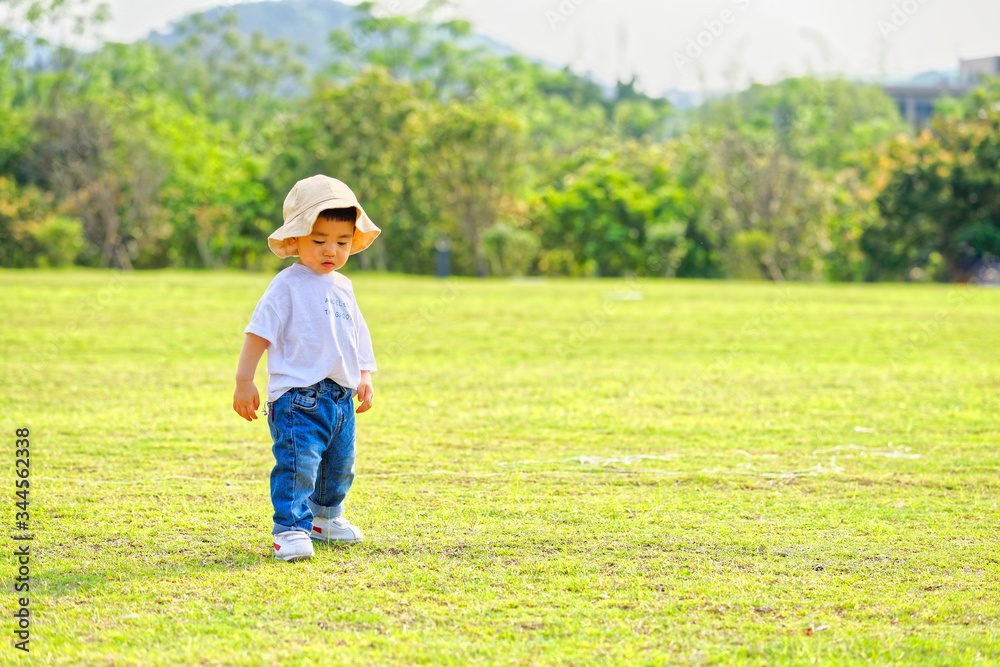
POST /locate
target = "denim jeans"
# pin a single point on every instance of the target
(314, 450)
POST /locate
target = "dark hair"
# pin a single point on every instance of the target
(349, 214)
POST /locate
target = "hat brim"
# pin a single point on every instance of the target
(281, 244)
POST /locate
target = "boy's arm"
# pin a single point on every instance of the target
(366, 392)
(246, 400)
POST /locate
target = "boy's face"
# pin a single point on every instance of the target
(328, 247)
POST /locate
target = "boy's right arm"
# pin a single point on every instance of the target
(246, 400)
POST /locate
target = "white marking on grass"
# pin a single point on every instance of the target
(624, 295)
(596, 461)
(431, 472)
(818, 469)
(896, 455)
(589, 465)
(227, 482)
(895, 452)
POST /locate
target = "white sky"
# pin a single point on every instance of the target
(762, 40)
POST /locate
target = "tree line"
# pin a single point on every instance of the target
(143, 156)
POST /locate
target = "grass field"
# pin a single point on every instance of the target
(554, 472)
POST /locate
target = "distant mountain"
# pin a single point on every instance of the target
(932, 79)
(300, 22)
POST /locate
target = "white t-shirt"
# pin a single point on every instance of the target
(314, 329)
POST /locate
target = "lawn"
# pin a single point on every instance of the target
(554, 472)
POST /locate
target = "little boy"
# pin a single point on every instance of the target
(319, 356)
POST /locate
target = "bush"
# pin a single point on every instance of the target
(509, 251)
(59, 241)
(22, 212)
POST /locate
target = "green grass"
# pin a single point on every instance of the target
(717, 473)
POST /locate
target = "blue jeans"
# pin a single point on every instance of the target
(314, 450)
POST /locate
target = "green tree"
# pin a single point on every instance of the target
(613, 213)
(764, 213)
(829, 124)
(510, 250)
(244, 81)
(468, 159)
(34, 233)
(211, 197)
(940, 209)
(782, 174)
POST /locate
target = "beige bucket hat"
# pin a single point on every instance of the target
(306, 201)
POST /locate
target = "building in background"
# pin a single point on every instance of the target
(916, 97)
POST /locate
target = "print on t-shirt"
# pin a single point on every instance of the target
(336, 303)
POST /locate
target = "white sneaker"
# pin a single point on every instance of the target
(335, 530)
(293, 545)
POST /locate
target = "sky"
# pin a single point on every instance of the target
(698, 45)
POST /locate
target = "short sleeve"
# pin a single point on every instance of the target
(265, 321)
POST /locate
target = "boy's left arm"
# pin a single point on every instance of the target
(366, 392)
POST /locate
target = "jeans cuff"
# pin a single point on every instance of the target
(325, 512)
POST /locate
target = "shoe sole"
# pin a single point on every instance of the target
(293, 558)
(326, 541)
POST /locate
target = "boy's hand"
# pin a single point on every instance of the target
(246, 400)
(366, 392)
